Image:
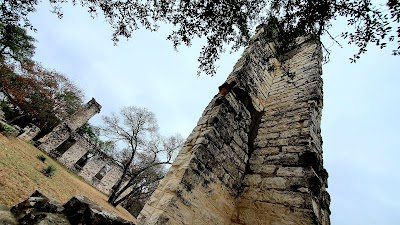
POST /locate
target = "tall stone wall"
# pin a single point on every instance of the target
(207, 171)
(255, 156)
(286, 182)
(63, 131)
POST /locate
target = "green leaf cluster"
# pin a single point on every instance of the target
(232, 22)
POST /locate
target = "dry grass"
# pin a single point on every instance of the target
(20, 176)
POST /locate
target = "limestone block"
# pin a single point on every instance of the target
(266, 170)
(242, 152)
(83, 115)
(273, 183)
(260, 143)
(252, 179)
(286, 198)
(291, 172)
(272, 135)
(289, 159)
(289, 133)
(295, 149)
(267, 151)
(267, 213)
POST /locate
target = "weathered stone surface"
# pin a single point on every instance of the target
(291, 171)
(288, 139)
(43, 218)
(255, 156)
(81, 156)
(29, 133)
(6, 217)
(208, 171)
(110, 178)
(40, 210)
(81, 210)
(36, 202)
(92, 166)
(74, 153)
(63, 131)
(272, 214)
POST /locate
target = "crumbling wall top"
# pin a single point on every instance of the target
(93, 102)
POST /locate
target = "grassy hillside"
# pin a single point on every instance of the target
(20, 175)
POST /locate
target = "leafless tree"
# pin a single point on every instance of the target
(144, 155)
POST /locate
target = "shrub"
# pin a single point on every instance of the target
(6, 128)
(49, 170)
(41, 158)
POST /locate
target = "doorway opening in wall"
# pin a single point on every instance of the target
(60, 150)
(82, 161)
(97, 178)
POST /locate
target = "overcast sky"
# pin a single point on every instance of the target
(360, 122)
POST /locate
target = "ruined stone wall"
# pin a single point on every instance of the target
(74, 153)
(29, 133)
(91, 168)
(94, 165)
(205, 179)
(96, 162)
(110, 179)
(83, 115)
(207, 171)
(63, 131)
(255, 156)
(286, 182)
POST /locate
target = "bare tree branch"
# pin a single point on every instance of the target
(144, 154)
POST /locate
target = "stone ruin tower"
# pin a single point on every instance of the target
(255, 156)
(64, 130)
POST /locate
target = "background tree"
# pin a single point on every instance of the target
(232, 21)
(15, 43)
(38, 95)
(92, 133)
(144, 154)
(136, 201)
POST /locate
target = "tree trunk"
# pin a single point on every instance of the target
(114, 190)
(111, 199)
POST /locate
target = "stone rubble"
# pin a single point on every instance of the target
(40, 210)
